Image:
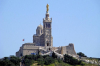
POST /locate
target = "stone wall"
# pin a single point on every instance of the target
(51, 41)
(69, 49)
(42, 40)
(29, 51)
(30, 47)
(17, 54)
(26, 47)
(36, 40)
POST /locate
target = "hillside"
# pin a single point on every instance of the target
(38, 60)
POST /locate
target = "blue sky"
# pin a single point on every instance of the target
(73, 21)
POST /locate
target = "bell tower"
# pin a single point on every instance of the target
(47, 29)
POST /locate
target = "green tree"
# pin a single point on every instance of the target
(45, 56)
(6, 62)
(15, 60)
(81, 54)
(40, 61)
(71, 60)
(29, 57)
(48, 60)
(28, 60)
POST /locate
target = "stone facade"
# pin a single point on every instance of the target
(43, 42)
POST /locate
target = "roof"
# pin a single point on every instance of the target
(40, 26)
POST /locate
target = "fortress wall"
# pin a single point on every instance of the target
(21, 51)
(42, 40)
(52, 41)
(17, 54)
(27, 49)
(28, 52)
(64, 50)
(69, 49)
(36, 39)
(59, 50)
(30, 46)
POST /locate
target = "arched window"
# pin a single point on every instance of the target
(48, 25)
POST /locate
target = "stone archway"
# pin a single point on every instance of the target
(47, 44)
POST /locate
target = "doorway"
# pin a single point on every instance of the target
(47, 44)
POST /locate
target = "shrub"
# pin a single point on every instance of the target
(15, 60)
(59, 60)
(45, 56)
(27, 62)
(40, 61)
(71, 60)
(48, 60)
(81, 54)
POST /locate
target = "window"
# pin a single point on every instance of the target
(48, 25)
(47, 44)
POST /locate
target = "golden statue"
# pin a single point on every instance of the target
(47, 7)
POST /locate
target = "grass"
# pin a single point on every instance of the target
(61, 64)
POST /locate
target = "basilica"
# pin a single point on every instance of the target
(43, 42)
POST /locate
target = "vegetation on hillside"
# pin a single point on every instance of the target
(38, 60)
(70, 60)
(10, 61)
(81, 54)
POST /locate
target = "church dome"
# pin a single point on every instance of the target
(40, 27)
(39, 30)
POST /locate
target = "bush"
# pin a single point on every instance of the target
(71, 60)
(59, 60)
(28, 57)
(15, 60)
(27, 62)
(48, 60)
(40, 61)
(81, 54)
(45, 56)
(39, 56)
